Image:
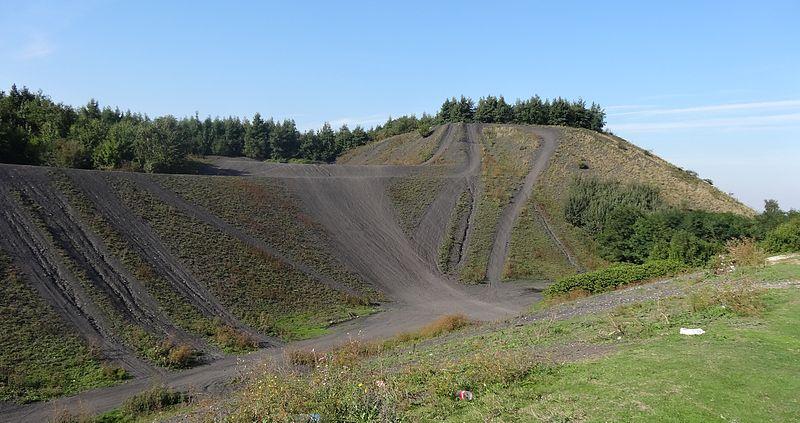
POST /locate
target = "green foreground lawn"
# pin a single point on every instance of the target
(743, 369)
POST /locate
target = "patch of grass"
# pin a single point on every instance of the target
(737, 371)
(411, 197)
(40, 356)
(532, 254)
(354, 349)
(267, 210)
(506, 154)
(453, 240)
(154, 399)
(405, 149)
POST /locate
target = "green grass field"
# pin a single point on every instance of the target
(625, 364)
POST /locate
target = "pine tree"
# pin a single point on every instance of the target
(256, 139)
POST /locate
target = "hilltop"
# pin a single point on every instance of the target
(146, 274)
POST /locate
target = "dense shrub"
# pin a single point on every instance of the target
(591, 201)
(614, 276)
(785, 238)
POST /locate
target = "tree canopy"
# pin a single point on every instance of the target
(36, 130)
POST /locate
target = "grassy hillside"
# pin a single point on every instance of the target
(584, 153)
(179, 308)
(266, 209)
(68, 241)
(257, 288)
(613, 364)
(506, 155)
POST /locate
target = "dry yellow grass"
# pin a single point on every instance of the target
(404, 149)
(612, 158)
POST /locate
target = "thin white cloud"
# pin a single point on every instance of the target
(629, 107)
(714, 108)
(364, 121)
(741, 122)
(36, 48)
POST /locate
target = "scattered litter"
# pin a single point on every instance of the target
(307, 418)
(380, 384)
(464, 395)
(698, 331)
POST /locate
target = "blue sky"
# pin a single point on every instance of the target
(712, 86)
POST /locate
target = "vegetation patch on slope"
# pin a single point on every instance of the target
(40, 356)
(614, 277)
(411, 197)
(258, 289)
(179, 308)
(453, 240)
(155, 347)
(532, 253)
(410, 148)
(266, 209)
(506, 155)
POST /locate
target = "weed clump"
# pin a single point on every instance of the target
(301, 358)
(743, 299)
(152, 400)
(234, 340)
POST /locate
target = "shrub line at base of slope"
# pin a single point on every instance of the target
(613, 277)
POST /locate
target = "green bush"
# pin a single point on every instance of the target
(785, 238)
(591, 201)
(614, 276)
